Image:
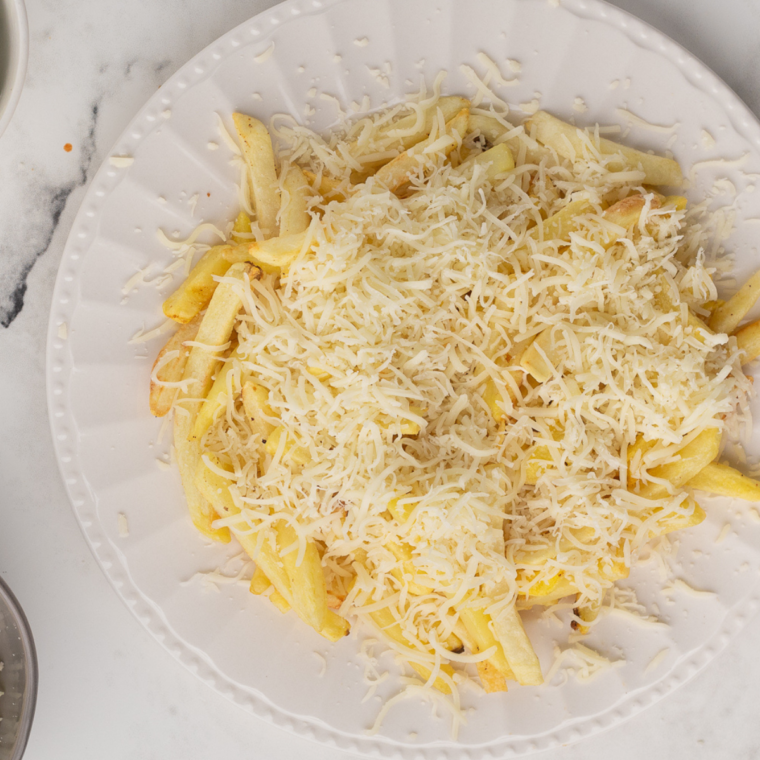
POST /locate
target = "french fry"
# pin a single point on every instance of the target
(530, 555)
(670, 521)
(277, 252)
(259, 582)
(748, 340)
(217, 395)
(400, 512)
(255, 403)
(491, 678)
(406, 132)
(494, 396)
(542, 588)
(216, 489)
(194, 294)
(559, 226)
(298, 454)
(330, 189)
(162, 397)
(588, 613)
(478, 625)
(726, 318)
(403, 553)
(723, 480)
(187, 453)
(564, 587)
(384, 620)
(536, 465)
(539, 358)
(489, 127)
(565, 140)
(215, 330)
(241, 230)
(675, 200)
(497, 160)
(257, 151)
(279, 601)
(635, 456)
(294, 216)
(509, 632)
(693, 458)
(307, 580)
(395, 174)
(627, 214)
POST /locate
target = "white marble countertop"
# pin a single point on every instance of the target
(107, 690)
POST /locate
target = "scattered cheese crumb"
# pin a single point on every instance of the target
(261, 57)
(361, 42)
(614, 84)
(639, 122)
(123, 525)
(143, 337)
(554, 3)
(121, 162)
(166, 113)
(678, 584)
(138, 277)
(257, 96)
(725, 530)
(161, 199)
(322, 662)
(530, 107)
(708, 141)
(312, 92)
(193, 202)
(656, 660)
(579, 105)
(754, 514)
(301, 69)
(63, 331)
(580, 661)
(337, 58)
(514, 65)
(380, 77)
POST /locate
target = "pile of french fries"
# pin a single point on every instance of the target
(203, 371)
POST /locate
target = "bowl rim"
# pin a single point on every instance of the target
(17, 67)
(32, 674)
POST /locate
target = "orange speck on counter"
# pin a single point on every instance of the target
(208, 195)
(68, 147)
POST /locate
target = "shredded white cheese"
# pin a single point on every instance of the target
(123, 525)
(63, 331)
(579, 661)
(678, 584)
(121, 162)
(266, 55)
(656, 661)
(391, 351)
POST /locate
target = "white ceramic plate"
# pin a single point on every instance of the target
(107, 442)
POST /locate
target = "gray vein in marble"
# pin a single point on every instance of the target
(53, 198)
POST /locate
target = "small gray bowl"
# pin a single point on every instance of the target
(14, 51)
(18, 678)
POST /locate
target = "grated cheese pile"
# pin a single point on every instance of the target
(378, 348)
